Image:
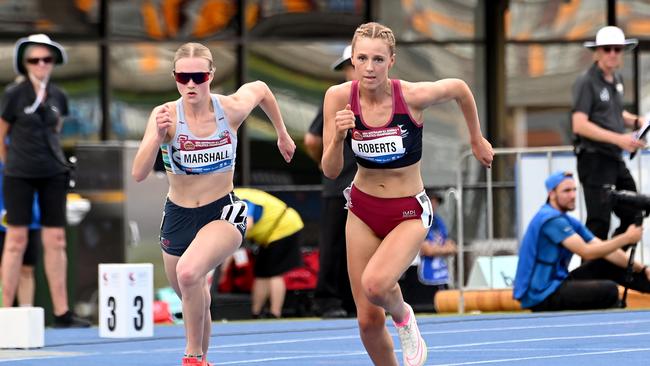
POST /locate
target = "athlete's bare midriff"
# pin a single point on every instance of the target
(199, 190)
(390, 183)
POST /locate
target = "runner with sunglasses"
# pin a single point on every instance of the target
(599, 122)
(203, 221)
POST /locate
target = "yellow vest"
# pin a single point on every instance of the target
(278, 220)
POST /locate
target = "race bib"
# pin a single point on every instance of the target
(379, 146)
(204, 156)
(235, 213)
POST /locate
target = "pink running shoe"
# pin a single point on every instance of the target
(414, 350)
(191, 361)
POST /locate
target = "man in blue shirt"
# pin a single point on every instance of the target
(437, 246)
(543, 282)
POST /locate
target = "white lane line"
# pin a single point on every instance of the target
(550, 326)
(543, 357)
(291, 358)
(544, 339)
(356, 337)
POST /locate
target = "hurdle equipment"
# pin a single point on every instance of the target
(125, 300)
(22, 327)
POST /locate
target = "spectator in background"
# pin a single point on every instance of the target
(333, 297)
(433, 268)
(33, 108)
(599, 122)
(275, 228)
(543, 281)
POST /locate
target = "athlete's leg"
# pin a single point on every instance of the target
(391, 260)
(211, 246)
(361, 245)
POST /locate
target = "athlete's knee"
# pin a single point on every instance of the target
(187, 275)
(375, 287)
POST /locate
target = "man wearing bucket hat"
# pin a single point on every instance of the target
(31, 119)
(599, 122)
(333, 297)
(543, 282)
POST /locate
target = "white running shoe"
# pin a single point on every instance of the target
(414, 350)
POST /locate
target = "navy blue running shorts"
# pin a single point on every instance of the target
(180, 225)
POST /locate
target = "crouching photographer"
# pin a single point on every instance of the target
(543, 281)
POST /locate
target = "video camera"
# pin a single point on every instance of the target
(628, 199)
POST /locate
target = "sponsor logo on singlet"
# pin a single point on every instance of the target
(203, 156)
(379, 145)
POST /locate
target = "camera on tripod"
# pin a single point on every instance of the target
(630, 200)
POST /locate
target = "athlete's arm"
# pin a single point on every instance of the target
(155, 134)
(240, 104)
(424, 94)
(338, 119)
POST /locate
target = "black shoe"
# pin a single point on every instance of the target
(70, 320)
(334, 313)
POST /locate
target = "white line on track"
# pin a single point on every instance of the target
(219, 348)
(519, 359)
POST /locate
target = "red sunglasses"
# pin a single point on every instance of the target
(36, 60)
(196, 77)
(607, 49)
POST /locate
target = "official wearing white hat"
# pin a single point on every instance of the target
(611, 36)
(34, 163)
(602, 129)
(59, 56)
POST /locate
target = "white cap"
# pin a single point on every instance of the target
(611, 36)
(345, 57)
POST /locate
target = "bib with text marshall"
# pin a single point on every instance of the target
(203, 156)
(379, 145)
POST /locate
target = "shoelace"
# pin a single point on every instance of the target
(409, 342)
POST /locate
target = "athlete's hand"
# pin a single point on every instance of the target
(163, 122)
(286, 146)
(344, 121)
(483, 152)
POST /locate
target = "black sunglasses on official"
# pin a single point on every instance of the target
(36, 60)
(607, 49)
(196, 77)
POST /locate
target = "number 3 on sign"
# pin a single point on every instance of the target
(126, 300)
(138, 321)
